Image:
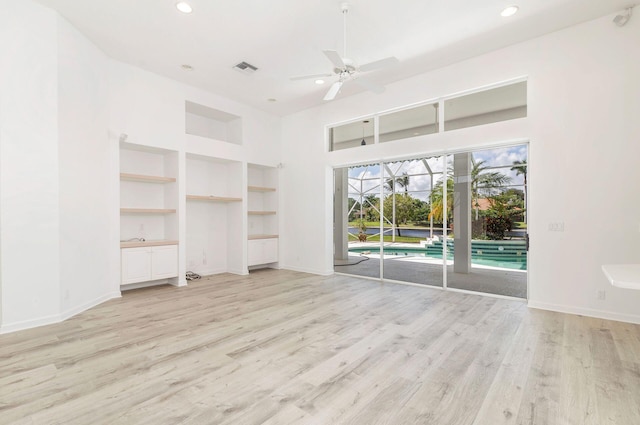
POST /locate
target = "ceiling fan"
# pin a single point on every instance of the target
(348, 70)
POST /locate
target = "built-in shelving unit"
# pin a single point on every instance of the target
(262, 211)
(214, 217)
(148, 216)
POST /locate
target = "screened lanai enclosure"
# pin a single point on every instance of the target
(456, 221)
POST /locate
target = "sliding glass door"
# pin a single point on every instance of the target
(489, 228)
(457, 221)
(412, 250)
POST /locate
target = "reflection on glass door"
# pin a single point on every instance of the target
(489, 223)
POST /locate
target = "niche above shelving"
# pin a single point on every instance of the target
(212, 123)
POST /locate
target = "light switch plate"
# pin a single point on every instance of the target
(556, 226)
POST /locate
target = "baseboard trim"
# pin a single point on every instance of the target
(598, 314)
(304, 270)
(56, 318)
(29, 324)
(86, 306)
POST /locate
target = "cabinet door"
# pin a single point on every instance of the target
(135, 265)
(164, 262)
(262, 251)
(270, 251)
(254, 252)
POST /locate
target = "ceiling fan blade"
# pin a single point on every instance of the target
(335, 58)
(369, 85)
(333, 91)
(382, 63)
(305, 77)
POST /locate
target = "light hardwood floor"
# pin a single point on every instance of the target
(281, 347)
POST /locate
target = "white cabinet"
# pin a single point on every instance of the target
(164, 262)
(136, 265)
(148, 263)
(262, 251)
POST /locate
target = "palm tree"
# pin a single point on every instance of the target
(520, 167)
(488, 181)
(402, 181)
(437, 196)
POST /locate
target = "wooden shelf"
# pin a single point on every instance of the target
(140, 244)
(261, 189)
(255, 237)
(146, 179)
(147, 211)
(212, 198)
(261, 212)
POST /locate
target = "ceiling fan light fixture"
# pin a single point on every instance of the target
(509, 11)
(184, 7)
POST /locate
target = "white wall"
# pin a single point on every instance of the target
(87, 273)
(150, 109)
(583, 109)
(28, 165)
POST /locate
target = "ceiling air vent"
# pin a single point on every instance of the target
(245, 68)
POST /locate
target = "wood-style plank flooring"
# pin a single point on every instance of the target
(281, 347)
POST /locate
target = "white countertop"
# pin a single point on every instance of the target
(623, 275)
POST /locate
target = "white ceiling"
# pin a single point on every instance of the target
(285, 38)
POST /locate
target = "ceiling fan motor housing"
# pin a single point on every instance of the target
(349, 67)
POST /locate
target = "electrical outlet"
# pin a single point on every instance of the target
(556, 227)
(602, 295)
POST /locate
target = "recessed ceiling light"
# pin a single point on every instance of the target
(319, 82)
(271, 99)
(186, 67)
(509, 11)
(184, 7)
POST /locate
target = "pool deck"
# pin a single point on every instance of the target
(428, 271)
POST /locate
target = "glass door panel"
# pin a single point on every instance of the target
(488, 248)
(357, 220)
(412, 248)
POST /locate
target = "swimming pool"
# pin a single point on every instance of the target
(501, 254)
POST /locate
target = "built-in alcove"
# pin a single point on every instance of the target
(212, 123)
